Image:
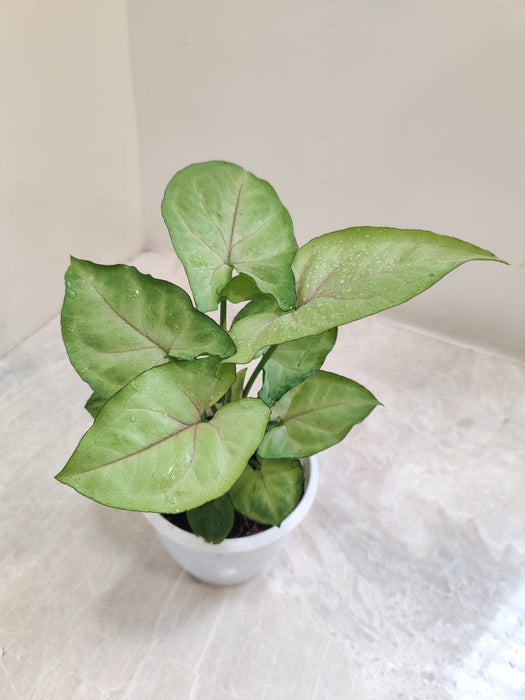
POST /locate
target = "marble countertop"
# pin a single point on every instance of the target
(407, 579)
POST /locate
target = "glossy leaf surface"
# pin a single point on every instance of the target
(150, 450)
(222, 217)
(269, 493)
(315, 415)
(118, 322)
(347, 275)
(294, 361)
(213, 520)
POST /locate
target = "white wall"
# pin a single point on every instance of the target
(405, 113)
(69, 179)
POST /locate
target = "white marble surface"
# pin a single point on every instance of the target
(407, 580)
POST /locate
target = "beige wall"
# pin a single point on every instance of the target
(69, 179)
(402, 114)
(406, 114)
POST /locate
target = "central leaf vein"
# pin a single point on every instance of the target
(128, 323)
(146, 448)
(325, 407)
(234, 219)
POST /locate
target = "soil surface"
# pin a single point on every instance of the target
(242, 526)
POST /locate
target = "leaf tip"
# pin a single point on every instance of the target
(62, 477)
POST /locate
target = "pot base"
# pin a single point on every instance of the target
(235, 560)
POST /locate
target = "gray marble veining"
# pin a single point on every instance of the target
(406, 581)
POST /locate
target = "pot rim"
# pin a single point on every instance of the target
(250, 542)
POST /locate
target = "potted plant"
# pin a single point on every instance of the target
(177, 429)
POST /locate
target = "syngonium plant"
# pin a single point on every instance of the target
(175, 428)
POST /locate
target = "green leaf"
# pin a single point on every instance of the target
(149, 449)
(240, 288)
(118, 322)
(221, 217)
(94, 404)
(294, 361)
(268, 494)
(238, 384)
(315, 415)
(213, 520)
(347, 275)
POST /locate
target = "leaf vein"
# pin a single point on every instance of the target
(235, 214)
(205, 207)
(153, 445)
(127, 322)
(202, 240)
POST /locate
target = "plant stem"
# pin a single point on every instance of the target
(224, 323)
(223, 314)
(264, 359)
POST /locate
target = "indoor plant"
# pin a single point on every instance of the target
(175, 429)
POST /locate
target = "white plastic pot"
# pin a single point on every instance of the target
(234, 560)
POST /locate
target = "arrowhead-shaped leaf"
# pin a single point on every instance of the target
(294, 361)
(222, 217)
(270, 492)
(347, 275)
(149, 449)
(213, 520)
(118, 322)
(315, 415)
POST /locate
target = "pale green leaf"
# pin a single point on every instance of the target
(294, 361)
(270, 491)
(221, 217)
(118, 322)
(315, 415)
(213, 520)
(347, 275)
(149, 449)
(238, 384)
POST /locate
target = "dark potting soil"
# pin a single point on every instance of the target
(242, 526)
